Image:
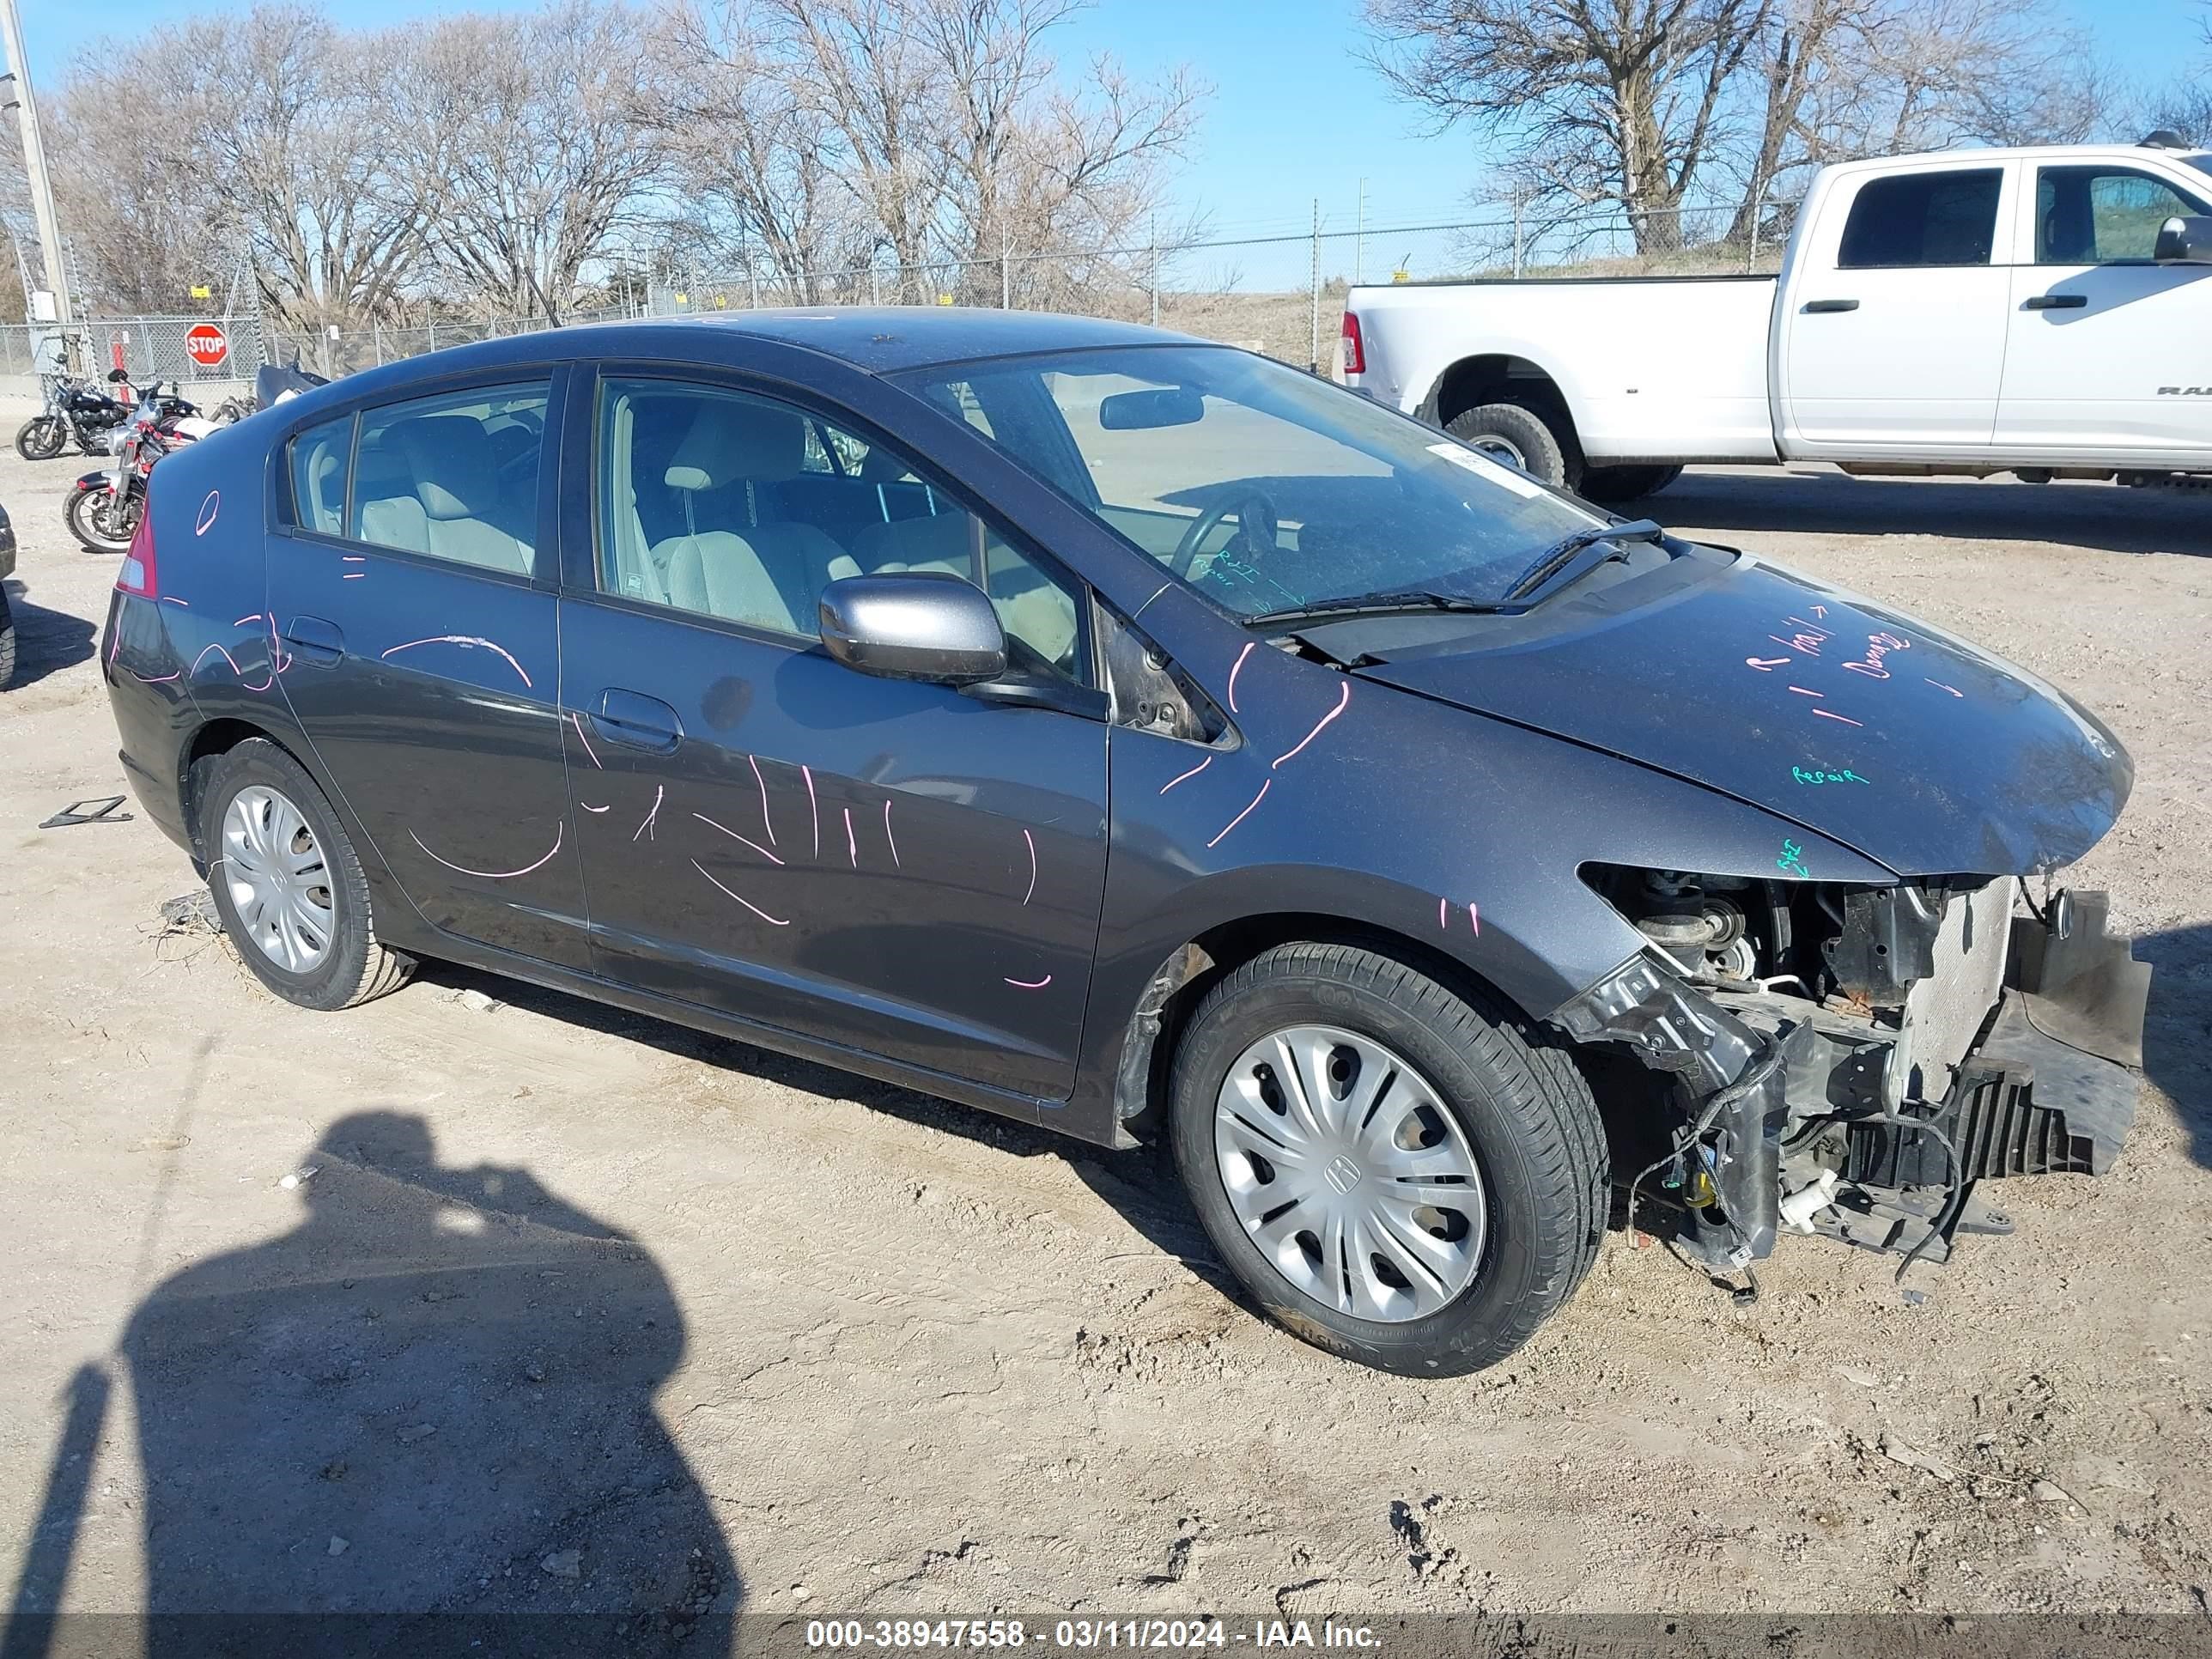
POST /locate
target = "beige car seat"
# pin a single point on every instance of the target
(455, 487)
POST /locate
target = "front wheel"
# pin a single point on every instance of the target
(40, 438)
(1403, 1174)
(7, 642)
(100, 523)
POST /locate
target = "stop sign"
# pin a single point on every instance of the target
(205, 345)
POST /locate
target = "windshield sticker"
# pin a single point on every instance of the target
(1816, 775)
(1474, 461)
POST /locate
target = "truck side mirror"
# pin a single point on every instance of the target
(2184, 239)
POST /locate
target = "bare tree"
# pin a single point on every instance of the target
(523, 138)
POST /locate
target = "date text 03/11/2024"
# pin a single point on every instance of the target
(1086, 1635)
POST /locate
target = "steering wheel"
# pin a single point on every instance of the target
(1255, 529)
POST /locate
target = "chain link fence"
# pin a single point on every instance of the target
(1283, 295)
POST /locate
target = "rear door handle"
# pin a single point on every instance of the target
(318, 641)
(2055, 301)
(1832, 305)
(637, 721)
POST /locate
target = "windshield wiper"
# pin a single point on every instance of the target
(1365, 605)
(1554, 558)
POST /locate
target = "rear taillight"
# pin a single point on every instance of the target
(1355, 353)
(138, 575)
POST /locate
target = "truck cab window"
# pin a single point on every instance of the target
(1947, 218)
(2091, 215)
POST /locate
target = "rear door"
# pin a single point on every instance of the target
(1892, 337)
(418, 630)
(2106, 345)
(900, 869)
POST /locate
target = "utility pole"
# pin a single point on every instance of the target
(1359, 237)
(17, 95)
(1313, 360)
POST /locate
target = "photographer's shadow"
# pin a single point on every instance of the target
(433, 1396)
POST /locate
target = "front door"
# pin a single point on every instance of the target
(2107, 349)
(1894, 334)
(897, 868)
(420, 652)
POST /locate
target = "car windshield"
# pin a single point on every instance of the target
(1266, 489)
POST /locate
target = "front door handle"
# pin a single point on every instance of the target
(637, 721)
(314, 640)
(1832, 305)
(2055, 301)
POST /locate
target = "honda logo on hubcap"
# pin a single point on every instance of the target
(1341, 1173)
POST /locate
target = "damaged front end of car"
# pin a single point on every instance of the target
(1853, 1061)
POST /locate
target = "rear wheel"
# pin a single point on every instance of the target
(287, 884)
(1625, 484)
(1399, 1173)
(40, 438)
(1517, 435)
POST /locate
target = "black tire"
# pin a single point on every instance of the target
(1525, 1108)
(1515, 430)
(355, 967)
(41, 438)
(1625, 484)
(7, 642)
(81, 513)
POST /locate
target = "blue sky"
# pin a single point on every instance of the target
(1295, 114)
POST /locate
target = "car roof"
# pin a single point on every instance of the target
(884, 339)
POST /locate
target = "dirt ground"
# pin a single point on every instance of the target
(576, 1309)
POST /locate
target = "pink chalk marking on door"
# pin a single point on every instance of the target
(1845, 719)
(355, 576)
(242, 621)
(1031, 840)
(1237, 668)
(166, 599)
(218, 651)
(588, 807)
(205, 521)
(1443, 914)
(279, 659)
(852, 846)
(888, 837)
(774, 921)
(1953, 689)
(466, 642)
(353, 558)
(1193, 773)
(767, 822)
(815, 807)
(1266, 785)
(1475, 918)
(115, 647)
(734, 836)
(1342, 703)
(1802, 692)
(154, 679)
(1031, 984)
(490, 875)
(579, 720)
(1767, 664)
(657, 792)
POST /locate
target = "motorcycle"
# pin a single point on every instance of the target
(103, 507)
(73, 411)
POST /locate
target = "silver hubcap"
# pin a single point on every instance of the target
(279, 885)
(1346, 1169)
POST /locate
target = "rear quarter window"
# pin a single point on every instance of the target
(321, 466)
(1947, 218)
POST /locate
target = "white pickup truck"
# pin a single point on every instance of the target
(2045, 312)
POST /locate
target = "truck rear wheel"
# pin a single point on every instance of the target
(1625, 484)
(1517, 433)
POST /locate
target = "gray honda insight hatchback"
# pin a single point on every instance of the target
(1135, 736)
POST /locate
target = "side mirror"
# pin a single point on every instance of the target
(2184, 239)
(1140, 411)
(913, 625)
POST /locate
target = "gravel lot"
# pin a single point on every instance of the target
(578, 1310)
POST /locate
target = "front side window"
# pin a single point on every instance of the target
(1265, 488)
(2087, 216)
(726, 504)
(1947, 218)
(453, 476)
(321, 460)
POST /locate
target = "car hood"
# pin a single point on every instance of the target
(1904, 741)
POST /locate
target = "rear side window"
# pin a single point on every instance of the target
(1923, 219)
(322, 460)
(453, 476)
